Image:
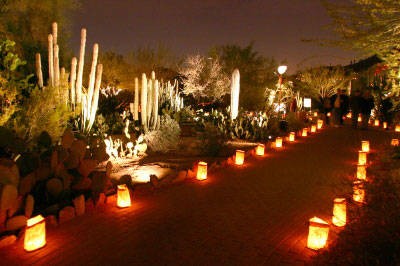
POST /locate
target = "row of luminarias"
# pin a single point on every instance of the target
(35, 233)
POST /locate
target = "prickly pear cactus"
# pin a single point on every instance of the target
(8, 197)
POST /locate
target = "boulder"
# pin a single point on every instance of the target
(86, 166)
(79, 203)
(29, 205)
(26, 184)
(9, 173)
(51, 220)
(109, 168)
(191, 174)
(67, 139)
(6, 241)
(54, 187)
(66, 214)
(16, 222)
(17, 206)
(8, 197)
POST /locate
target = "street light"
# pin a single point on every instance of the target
(281, 70)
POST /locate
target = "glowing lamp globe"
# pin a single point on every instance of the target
(313, 128)
(361, 172)
(358, 192)
(329, 114)
(376, 123)
(260, 149)
(359, 119)
(278, 142)
(394, 142)
(239, 158)
(362, 157)
(365, 145)
(320, 123)
(201, 171)
(318, 231)
(315, 114)
(304, 132)
(282, 70)
(292, 136)
(35, 233)
(339, 212)
(123, 196)
(397, 128)
(385, 125)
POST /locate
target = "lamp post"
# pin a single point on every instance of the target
(281, 70)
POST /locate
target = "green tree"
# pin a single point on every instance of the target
(372, 27)
(117, 73)
(28, 22)
(256, 72)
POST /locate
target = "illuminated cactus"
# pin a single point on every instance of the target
(235, 89)
(39, 72)
(136, 103)
(143, 102)
(78, 88)
(72, 82)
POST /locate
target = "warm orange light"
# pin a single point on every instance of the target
(260, 149)
(362, 157)
(201, 171)
(376, 123)
(292, 136)
(339, 212)
(123, 196)
(318, 231)
(394, 142)
(239, 158)
(358, 191)
(385, 125)
(361, 172)
(304, 132)
(328, 114)
(315, 114)
(320, 123)
(313, 129)
(35, 233)
(397, 128)
(359, 119)
(365, 145)
(349, 115)
(278, 142)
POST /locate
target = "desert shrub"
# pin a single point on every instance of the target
(166, 137)
(212, 140)
(373, 236)
(295, 123)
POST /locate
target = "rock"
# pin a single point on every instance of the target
(78, 148)
(16, 222)
(54, 161)
(72, 161)
(154, 181)
(18, 205)
(43, 172)
(84, 184)
(79, 203)
(3, 217)
(102, 200)
(99, 153)
(51, 220)
(67, 139)
(29, 205)
(54, 187)
(62, 155)
(66, 214)
(230, 161)
(180, 177)
(66, 178)
(191, 174)
(89, 205)
(9, 172)
(99, 182)
(8, 197)
(26, 184)
(87, 166)
(109, 167)
(6, 241)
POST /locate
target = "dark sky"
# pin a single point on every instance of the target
(193, 26)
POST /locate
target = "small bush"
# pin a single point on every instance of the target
(166, 137)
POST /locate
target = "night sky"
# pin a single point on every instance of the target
(193, 26)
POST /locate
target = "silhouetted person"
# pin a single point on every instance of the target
(356, 102)
(366, 108)
(326, 107)
(337, 102)
(344, 107)
(387, 113)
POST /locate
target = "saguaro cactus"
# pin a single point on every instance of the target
(136, 103)
(39, 72)
(80, 67)
(143, 102)
(72, 82)
(51, 60)
(235, 89)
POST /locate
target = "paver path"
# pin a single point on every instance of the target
(251, 215)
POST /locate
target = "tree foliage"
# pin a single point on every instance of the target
(256, 72)
(204, 78)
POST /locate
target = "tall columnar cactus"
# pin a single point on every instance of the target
(136, 103)
(79, 77)
(56, 66)
(235, 89)
(72, 82)
(39, 72)
(143, 102)
(155, 104)
(51, 60)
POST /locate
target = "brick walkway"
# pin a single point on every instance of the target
(251, 215)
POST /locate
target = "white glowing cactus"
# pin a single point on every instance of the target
(235, 90)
